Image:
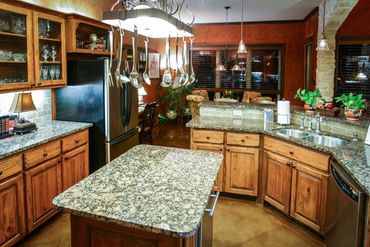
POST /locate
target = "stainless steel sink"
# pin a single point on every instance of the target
(292, 133)
(327, 141)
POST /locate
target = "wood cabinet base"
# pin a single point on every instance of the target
(86, 232)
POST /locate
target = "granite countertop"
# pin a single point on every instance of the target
(354, 157)
(46, 132)
(157, 189)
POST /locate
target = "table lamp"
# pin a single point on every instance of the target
(22, 102)
(141, 93)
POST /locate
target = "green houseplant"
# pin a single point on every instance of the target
(309, 98)
(353, 105)
(173, 100)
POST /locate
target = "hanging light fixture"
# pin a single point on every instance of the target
(222, 67)
(323, 42)
(361, 76)
(242, 49)
(151, 21)
(236, 67)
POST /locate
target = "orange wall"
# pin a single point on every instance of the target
(357, 22)
(289, 34)
(311, 30)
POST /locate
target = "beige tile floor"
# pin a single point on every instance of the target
(237, 223)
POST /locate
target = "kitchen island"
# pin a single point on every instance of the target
(148, 196)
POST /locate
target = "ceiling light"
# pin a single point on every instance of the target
(323, 42)
(241, 48)
(236, 67)
(151, 22)
(222, 67)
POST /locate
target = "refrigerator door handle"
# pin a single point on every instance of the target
(125, 104)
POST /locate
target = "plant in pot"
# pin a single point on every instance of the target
(309, 98)
(173, 100)
(354, 105)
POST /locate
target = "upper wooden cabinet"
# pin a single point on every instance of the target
(16, 52)
(79, 29)
(49, 50)
(32, 49)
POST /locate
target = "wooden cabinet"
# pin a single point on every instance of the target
(16, 67)
(277, 180)
(309, 189)
(43, 183)
(242, 170)
(75, 166)
(213, 148)
(49, 50)
(12, 214)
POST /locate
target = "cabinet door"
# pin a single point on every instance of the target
(214, 148)
(242, 170)
(49, 50)
(277, 181)
(12, 214)
(16, 60)
(75, 166)
(43, 183)
(309, 187)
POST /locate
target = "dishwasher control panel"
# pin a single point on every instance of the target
(347, 189)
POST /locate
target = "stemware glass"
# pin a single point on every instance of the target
(42, 28)
(57, 72)
(52, 72)
(53, 53)
(48, 29)
(44, 72)
(18, 25)
(45, 53)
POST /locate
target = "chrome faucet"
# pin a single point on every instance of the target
(355, 137)
(318, 122)
(301, 126)
(309, 124)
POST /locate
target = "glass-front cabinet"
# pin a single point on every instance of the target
(16, 53)
(49, 47)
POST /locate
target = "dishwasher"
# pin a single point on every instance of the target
(346, 212)
(204, 234)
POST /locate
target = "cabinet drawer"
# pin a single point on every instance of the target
(41, 153)
(10, 166)
(208, 136)
(304, 155)
(75, 140)
(251, 140)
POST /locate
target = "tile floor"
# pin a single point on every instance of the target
(237, 222)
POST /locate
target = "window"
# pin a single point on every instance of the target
(353, 69)
(260, 69)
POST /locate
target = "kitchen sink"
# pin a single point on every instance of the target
(327, 141)
(292, 133)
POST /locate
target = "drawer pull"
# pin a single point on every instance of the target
(221, 149)
(291, 152)
(65, 158)
(77, 141)
(45, 154)
(228, 150)
(39, 84)
(9, 229)
(207, 137)
(1, 173)
(243, 140)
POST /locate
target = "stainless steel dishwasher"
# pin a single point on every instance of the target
(204, 235)
(345, 221)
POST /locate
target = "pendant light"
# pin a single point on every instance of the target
(241, 48)
(222, 67)
(323, 42)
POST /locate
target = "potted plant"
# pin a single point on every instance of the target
(353, 105)
(174, 100)
(309, 98)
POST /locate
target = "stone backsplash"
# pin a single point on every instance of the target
(42, 100)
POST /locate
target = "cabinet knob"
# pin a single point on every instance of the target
(32, 84)
(291, 152)
(77, 141)
(45, 154)
(228, 150)
(207, 137)
(1, 173)
(243, 140)
(65, 158)
(39, 84)
(9, 229)
(221, 149)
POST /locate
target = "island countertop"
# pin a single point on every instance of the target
(354, 157)
(157, 189)
(46, 132)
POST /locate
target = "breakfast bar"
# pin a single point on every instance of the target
(149, 195)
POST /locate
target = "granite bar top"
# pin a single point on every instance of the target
(46, 132)
(354, 157)
(363, 122)
(158, 189)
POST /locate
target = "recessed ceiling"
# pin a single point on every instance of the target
(213, 11)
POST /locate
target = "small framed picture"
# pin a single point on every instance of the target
(154, 60)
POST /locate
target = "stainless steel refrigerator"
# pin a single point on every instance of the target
(113, 111)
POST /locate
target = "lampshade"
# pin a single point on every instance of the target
(323, 45)
(236, 67)
(142, 92)
(220, 67)
(241, 48)
(22, 102)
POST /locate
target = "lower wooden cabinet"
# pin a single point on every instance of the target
(242, 170)
(43, 183)
(213, 148)
(309, 189)
(75, 166)
(277, 180)
(12, 213)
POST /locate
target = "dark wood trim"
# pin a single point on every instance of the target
(312, 13)
(240, 90)
(353, 40)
